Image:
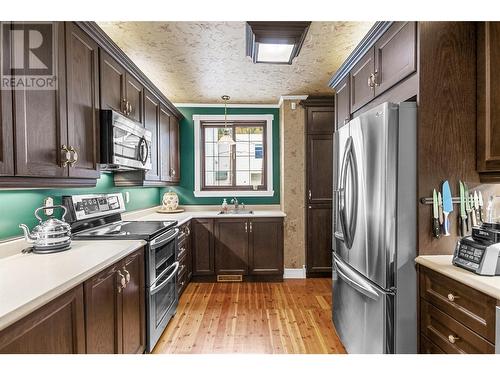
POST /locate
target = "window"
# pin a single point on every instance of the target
(233, 167)
(240, 169)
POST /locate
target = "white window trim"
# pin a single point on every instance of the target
(197, 120)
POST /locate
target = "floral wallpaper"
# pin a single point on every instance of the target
(197, 62)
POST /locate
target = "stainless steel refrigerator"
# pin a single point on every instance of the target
(374, 226)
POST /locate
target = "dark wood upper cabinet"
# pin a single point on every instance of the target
(320, 120)
(56, 328)
(488, 101)
(151, 122)
(82, 88)
(103, 315)
(6, 137)
(175, 172)
(40, 124)
(164, 144)
(135, 92)
(231, 246)
(202, 243)
(361, 87)
(319, 168)
(112, 82)
(342, 103)
(266, 246)
(133, 299)
(395, 55)
(319, 240)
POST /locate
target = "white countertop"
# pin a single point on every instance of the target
(28, 281)
(489, 285)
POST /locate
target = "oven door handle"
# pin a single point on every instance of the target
(157, 288)
(160, 241)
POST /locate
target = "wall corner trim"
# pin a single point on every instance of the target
(291, 97)
(294, 273)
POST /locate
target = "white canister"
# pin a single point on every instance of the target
(170, 201)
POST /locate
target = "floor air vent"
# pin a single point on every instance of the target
(229, 278)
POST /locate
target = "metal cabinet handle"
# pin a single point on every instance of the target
(371, 84)
(74, 159)
(122, 281)
(375, 81)
(130, 108)
(182, 250)
(251, 227)
(188, 231)
(127, 275)
(124, 106)
(67, 155)
(246, 228)
(310, 194)
(452, 297)
(172, 172)
(453, 339)
(181, 268)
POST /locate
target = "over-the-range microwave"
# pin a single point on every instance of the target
(125, 144)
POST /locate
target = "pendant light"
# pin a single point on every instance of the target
(226, 138)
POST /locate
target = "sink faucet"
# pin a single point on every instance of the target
(236, 204)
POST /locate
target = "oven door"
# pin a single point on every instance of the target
(162, 303)
(162, 253)
(131, 144)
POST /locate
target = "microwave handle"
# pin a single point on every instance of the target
(157, 288)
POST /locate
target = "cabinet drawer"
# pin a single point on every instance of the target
(467, 305)
(450, 335)
(428, 347)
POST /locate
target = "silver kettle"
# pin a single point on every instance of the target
(48, 236)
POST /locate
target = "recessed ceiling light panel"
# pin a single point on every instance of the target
(275, 42)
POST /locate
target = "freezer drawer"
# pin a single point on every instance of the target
(362, 313)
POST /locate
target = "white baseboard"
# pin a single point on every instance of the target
(294, 273)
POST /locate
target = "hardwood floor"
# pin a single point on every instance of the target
(292, 317)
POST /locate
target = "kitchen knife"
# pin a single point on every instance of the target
(481, 204)
(472, 210)
(468, 208)
(476, 208)
(436, 229)
(440, 208)
(463, 214)
(447, 207)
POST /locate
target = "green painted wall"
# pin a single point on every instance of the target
(186, 187)
(17, 206)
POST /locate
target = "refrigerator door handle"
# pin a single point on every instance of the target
(348, 228)
(356, 282)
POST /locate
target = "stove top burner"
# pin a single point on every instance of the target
(145, 230)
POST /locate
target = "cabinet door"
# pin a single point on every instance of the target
(319, 240)
(231, 246)
(6, 139)
(361, 91)
(112, 82)
(133, 300)
(56, 328)
(203, 247)
(319, 168)
(175, 167)
(395, 55)
(40, 119)
(82, 72)
(266, 246)
(320, 120)
(103, 312)
(164, 144)
(488, 97)
(151, 122)
(342, 103)
(134, 92)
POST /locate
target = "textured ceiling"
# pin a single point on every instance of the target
(197, 62)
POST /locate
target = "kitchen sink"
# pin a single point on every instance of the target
(236, 212)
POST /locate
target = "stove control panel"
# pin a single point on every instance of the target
(93, 205)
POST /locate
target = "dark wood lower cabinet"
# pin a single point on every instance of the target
(319, 241)
(202, 242)
(266, 247)
(454, 318)
(115, 315)
(231, 246)
(56, 328)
